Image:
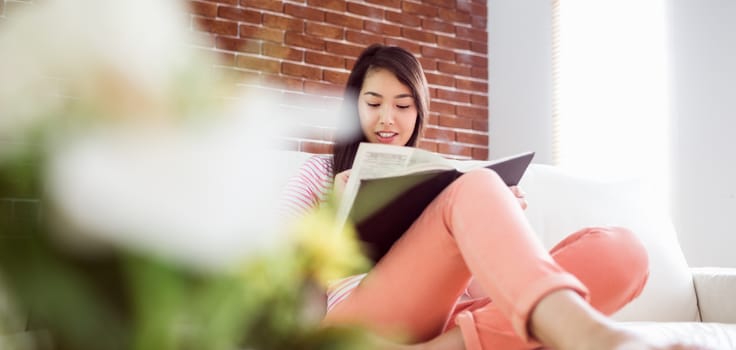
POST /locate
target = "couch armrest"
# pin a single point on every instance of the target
(715, 288)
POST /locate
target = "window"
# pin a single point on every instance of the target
(611, 90)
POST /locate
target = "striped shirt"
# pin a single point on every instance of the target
(307, 190)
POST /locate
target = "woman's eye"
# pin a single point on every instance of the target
(403, 106)
(374, 104)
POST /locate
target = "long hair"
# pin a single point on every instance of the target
(407, 69)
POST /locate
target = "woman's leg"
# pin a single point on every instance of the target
(474, 226)
(610, 261)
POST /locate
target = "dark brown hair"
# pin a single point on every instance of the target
(407, 69)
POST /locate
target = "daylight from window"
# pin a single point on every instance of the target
(611, 89)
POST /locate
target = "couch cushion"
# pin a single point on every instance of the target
(708, 335)
(561, 203)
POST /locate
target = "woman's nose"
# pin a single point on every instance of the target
(386, 116)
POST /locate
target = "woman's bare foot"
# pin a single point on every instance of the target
(563, 320)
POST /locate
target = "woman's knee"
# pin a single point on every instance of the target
(611, 261)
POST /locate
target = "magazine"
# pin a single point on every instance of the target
(389, 187)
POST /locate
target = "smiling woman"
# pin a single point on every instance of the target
(386, 107)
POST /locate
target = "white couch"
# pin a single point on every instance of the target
(694, 306)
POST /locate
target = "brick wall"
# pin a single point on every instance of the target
(306, 48)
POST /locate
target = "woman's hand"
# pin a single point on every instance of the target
(520, 196)
(341, 180)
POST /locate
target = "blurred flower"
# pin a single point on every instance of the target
(200, 193)
(161, 228)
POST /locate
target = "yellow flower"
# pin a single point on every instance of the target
(327, 254)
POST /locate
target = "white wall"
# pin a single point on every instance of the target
(703, 47)
(520, 82)
(703, 108)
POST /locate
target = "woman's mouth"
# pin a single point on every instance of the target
(386, 136)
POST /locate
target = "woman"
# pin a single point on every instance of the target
(520, 297)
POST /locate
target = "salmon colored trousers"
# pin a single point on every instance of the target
(477, 228)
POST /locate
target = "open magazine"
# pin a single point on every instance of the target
(389, 187)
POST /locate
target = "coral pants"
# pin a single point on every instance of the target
(477, 228)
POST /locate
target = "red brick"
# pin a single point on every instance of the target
(363, 38)
(206, 9)
(464, 5)
(410, 46)
(442, 108)
(455, 17)
(283, 52)
(387, 3)
(233, 44)
(440, 3)
(433, 119)
(450, 42)
(436, 52)
(456, 122)
(301, 70)
(403, 18)
(480, 153)
(437, 26)
(479, 72)
(428, 145)
(439, 134)
(419, 9)
(258, 64)
(363, 10)
(382, 28)
(440, 79)
(450, 95)
(323, 89)
(479, 8)
(315, 147)
(479, 47)
(344, 49)
(471, 34)
(304, 12)
(476, 139)
(272, 5)
(337, 5)
(249, 31)
(472, 112)
(471, 60)
(349, 63)
(305, 41)
(229, 2)
(479, 22)
(428, 64)
(335, 77)
(237, 14)
(324, 60)
(453, 68)
(217, 27)
(343, 20)
(420, 35)
(324, 31)
(479, 100)
(455, 149)
(480, 125)
(472, 85)
(283, 22)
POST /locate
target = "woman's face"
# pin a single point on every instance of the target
(388, 113)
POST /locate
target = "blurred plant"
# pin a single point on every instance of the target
(160, 226)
